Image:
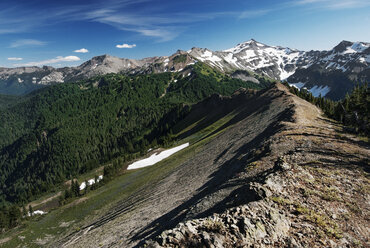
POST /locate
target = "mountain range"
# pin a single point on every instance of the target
(330, 73)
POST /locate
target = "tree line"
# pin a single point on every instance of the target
(352, 111)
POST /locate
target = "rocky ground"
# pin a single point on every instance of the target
(312, 190)
(279, 175)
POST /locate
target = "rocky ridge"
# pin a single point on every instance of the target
(279, 175)
(315, 195)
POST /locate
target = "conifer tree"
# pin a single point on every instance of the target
(24, 211)
(30, 210)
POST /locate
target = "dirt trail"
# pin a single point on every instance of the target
(275, 124)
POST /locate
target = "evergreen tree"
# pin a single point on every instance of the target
(75, 188)
(3, 220)
(24, 212)
(14, 216)
(30, 210)
(86, 188)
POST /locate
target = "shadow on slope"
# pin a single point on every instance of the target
(222, 179)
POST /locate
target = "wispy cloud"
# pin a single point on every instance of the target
(155, 22)
(58, 59)
(82, 50)
(334, 4)
(27, 43)
(126, 46)
(254, 13)
(15, 59)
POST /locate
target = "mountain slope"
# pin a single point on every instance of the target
(263, 177)
(68, 129)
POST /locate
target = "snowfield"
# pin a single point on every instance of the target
(155, 158)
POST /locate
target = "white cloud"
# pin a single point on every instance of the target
(82, 50)
(15, 59)
(58, 59)
(27, 42)
(126, 46)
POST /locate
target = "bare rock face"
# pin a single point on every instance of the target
(105, 64)
(54, 77)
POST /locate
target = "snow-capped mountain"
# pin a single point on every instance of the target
(334, 73)
(274, 62)
(329, 73)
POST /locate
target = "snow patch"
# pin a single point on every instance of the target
(208, 55)
(284, 74)
(90, 182)
(166, 61)
(155, 158)
(36, 212)
(249, 54)
(360, 47)
(231, 59)
(365, 59)
(317, 90)
(357, 47)
(298, 85)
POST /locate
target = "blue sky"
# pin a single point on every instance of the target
(69, 32)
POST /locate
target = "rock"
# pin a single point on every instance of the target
(218, 242)
(293, 243)
(281, 164)
(178, 235)
(261, 191)
(191, 228)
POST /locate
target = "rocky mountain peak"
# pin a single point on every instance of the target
(351, 47)
(342, 46)
(250, 44)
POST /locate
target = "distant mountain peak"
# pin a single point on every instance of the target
(349, 60)
(351, 47)
(342, 46)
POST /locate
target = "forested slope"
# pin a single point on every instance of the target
(64, 130)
